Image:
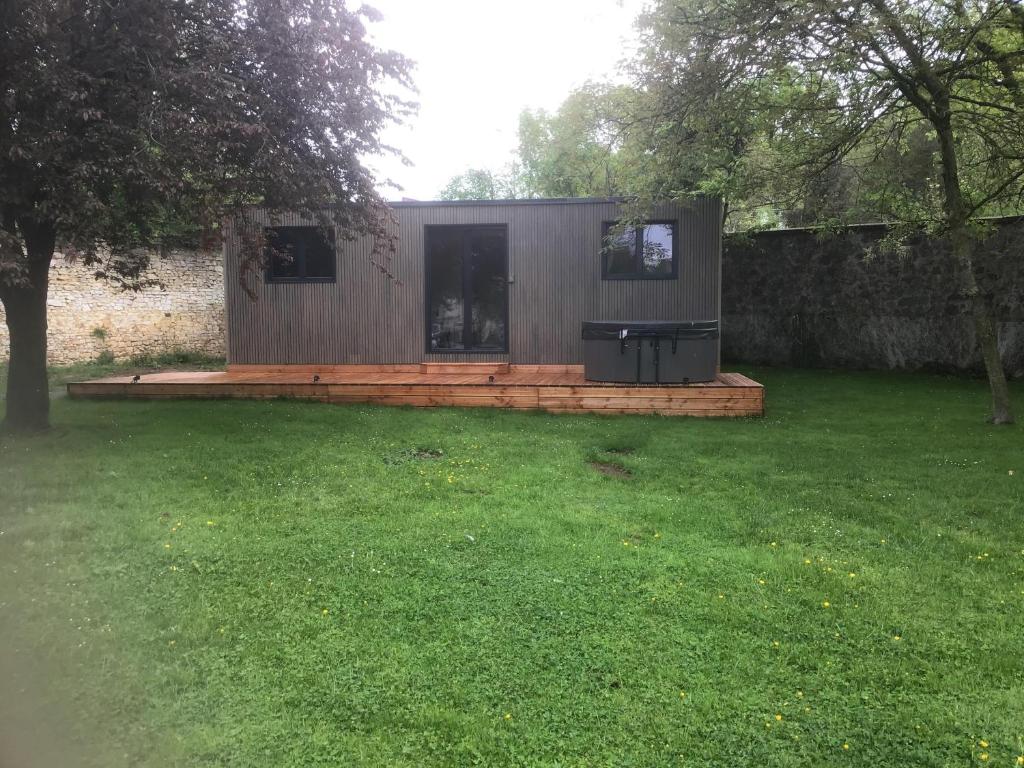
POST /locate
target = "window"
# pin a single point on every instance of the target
(645, 252)
(467, 288)
(300, 255)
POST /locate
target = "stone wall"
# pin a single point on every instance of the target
(796, 297)
(89, 318)
(789, 297)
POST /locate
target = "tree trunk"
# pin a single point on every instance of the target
(984, 328)
(963, 251)
(28, 395)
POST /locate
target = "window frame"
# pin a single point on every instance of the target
(270, 277)
(637, 273)
(427, 285)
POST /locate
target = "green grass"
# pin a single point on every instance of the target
(289, 584)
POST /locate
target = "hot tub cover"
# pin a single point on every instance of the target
(606, 330)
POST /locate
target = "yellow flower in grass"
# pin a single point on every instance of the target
(826, 604)
(983, 744)
(1020, 759)
(508, 715)
(778, 718)
(846, 745)
(983, 757)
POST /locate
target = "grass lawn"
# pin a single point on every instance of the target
(294, 584)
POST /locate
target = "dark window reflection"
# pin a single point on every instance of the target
(639, 252)
(447, 310)
(297, 254)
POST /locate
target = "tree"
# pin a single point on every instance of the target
(846, 84)
(578, 151)
(116, 117)
(484, 184)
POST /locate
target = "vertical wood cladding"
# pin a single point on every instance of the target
(554, 268)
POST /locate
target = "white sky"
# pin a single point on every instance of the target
(478, 64)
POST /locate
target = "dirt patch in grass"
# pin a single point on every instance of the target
(610, 469)
(620, 450)
(427, 453)
(414, 454)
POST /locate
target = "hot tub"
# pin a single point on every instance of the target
(650, 352)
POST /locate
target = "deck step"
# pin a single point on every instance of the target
(466, 368)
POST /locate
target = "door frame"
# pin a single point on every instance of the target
(466, 305)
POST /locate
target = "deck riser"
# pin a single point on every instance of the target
(559, 389)
(719, 402)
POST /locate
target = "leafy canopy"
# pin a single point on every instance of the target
(484, 184)
(580, 150)
(870, 108)
(119, 120)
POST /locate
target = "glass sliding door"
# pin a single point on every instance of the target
(444, 288)
(488, 287)
(467, 288)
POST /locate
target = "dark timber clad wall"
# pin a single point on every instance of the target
(554, 260)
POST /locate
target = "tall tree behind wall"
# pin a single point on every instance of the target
(839, 85)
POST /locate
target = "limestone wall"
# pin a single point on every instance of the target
(89, 318)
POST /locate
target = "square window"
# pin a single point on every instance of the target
(641, 252)
(300, 255)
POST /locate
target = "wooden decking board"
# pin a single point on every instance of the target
(555, 388)
(462, 369)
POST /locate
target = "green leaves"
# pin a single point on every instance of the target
(127, 124)
(830, 110)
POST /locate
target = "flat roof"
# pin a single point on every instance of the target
(512, 201)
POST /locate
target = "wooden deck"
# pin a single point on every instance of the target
(554, 388)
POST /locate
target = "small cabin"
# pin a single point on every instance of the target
(474, 281)
(559, 305)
